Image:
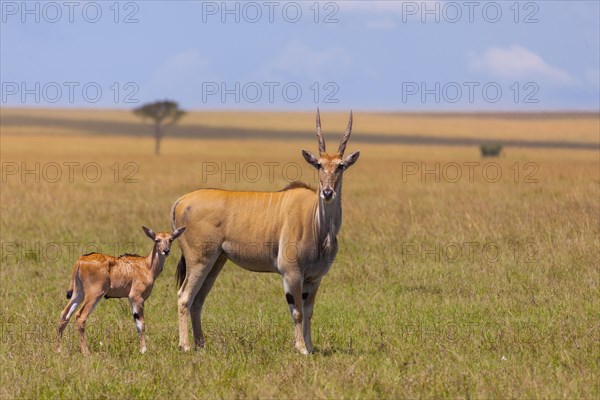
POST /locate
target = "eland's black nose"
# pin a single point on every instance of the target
(327, 194)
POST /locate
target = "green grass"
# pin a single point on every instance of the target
(390, 321)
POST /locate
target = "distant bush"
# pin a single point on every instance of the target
(491, 150)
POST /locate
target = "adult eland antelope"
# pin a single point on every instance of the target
(291, 232)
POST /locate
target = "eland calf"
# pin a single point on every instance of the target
(96, 275)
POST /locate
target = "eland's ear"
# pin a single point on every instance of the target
(351, 159)
(177, 232)
(311, 158)
(149, 232)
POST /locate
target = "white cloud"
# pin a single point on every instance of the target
(185, 64)
(185, 60)
(517, 62)
(298, 60)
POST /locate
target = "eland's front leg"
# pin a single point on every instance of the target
(292, 285)
(309, 294)
(137, 309)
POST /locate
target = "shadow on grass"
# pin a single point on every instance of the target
(107, 128)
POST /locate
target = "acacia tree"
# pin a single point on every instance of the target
(163, 114)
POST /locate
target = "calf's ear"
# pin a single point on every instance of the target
(149, 232)
(177, 232)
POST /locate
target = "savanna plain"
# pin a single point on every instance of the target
(457, 276)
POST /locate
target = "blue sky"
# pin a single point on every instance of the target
(378, 55)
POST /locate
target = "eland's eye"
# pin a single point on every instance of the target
(342, 166)
(319, 165)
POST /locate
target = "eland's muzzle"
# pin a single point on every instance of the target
(327, 194)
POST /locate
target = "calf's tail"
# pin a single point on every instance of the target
(72, 282)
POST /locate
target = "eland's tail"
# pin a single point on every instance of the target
(181, 267)
(173, 213)
(180, 273)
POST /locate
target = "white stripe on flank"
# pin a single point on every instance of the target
(267, 215)
(255, 204)
(276, 214)
(269, 205)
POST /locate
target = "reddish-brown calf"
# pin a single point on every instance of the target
(132, 276)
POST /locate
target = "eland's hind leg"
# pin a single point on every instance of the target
(66, 315)
(89, 303)
(195, 275)
(196, 308)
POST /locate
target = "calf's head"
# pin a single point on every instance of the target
(163, 240)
